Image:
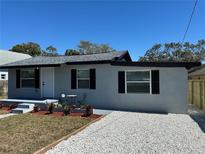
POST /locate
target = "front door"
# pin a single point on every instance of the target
(47, 82)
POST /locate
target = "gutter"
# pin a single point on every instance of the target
(30, 66)
(187, 65)
(89, 62)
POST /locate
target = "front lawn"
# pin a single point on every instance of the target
(27, 133)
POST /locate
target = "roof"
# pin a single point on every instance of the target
(187, 65)
(113, 58)
(10, 56)
(77, 59)
(197, 71)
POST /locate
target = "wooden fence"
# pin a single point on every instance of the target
(197, 93)
(3, 88)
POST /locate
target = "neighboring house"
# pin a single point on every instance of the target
(197, 72)
(9, 57)
(108, 80)
(197, 86)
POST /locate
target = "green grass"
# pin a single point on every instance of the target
(27, 133)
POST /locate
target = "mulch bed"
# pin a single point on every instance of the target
(6, 109)
(56, 113)
(60, 114)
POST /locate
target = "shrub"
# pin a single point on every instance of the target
(36, 108)
(50, 108)
(12, 106)
(88, 110)
(59, 106)
(66, 110)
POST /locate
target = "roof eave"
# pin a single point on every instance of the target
(187, 65)
(89, 62)
(30, 66)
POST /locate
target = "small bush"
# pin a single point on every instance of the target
(88, 110)
(66, 110)
(12, 106)
(36, 108)
(59, 106)
(50, 108)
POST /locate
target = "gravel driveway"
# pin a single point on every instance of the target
(127, 132)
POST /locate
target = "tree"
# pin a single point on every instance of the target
(86, 47)
(199, 50)
(106, 48)
(51, 51)
(186, 52)
(71, 52)
(152, 54)
(30, 48)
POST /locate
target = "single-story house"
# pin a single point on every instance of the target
(197, 73)
(9, 57)
(108, 80)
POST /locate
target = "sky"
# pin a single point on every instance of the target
(125, 25)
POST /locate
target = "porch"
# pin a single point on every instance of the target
(36, 102)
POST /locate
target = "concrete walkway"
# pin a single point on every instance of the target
(128, 132)
(6, 115)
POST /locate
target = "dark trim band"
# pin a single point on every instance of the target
(187, 65)
(89, 62)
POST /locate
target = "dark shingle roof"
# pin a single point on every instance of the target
(42, 60)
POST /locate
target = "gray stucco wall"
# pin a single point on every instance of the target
(172, 97)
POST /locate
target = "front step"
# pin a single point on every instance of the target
(78, 110)
(23, 108)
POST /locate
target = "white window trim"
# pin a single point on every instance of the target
(82, 78)
(25, 79)
(150, 80)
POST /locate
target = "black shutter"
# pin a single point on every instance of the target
(155, 82)
(37, 78)
(92, 79)
(73, 78)
(18, 78)
(121, 82)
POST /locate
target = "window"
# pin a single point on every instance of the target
(83, 79)
(27, 78)
(3, 76)
(138, 81)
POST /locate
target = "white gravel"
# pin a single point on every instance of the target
(127, 132)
